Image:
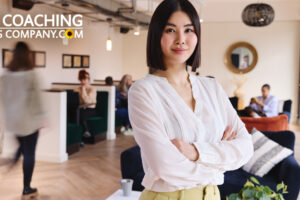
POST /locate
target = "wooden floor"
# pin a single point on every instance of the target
(91, 174)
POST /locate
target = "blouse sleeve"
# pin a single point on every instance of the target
(227, 155)
(162, 157)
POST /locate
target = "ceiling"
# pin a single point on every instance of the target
(130, 13)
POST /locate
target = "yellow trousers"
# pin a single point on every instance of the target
(197, 193)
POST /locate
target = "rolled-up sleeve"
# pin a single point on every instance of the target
(161, 156)
(227, 155)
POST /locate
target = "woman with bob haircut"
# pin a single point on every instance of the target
(186, 127)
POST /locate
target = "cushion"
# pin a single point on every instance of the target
(267, 154)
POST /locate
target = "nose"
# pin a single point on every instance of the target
(180, 38)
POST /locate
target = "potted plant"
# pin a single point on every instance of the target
(253, 190)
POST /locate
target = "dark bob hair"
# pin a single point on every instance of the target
(158, 22)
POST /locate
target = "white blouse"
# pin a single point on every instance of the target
(158, 114)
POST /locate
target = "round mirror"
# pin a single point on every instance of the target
(241, 57)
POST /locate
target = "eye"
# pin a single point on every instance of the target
(189, 30)
(170, 30)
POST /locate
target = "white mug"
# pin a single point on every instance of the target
(126, 186)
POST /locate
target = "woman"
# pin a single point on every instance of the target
(122, 102)
(187, 129)
(87, 98)
(22, 110)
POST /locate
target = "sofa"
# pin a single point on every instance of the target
(277, 123)
(288, 170)
(287, 108)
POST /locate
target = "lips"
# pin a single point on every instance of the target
(179, 50)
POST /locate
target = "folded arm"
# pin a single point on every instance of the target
(227, 154)
(163, 158)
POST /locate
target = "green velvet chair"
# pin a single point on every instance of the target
(98, 125)
(74, 130)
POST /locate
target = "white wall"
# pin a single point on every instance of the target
(277, 45)
(102, 63)
(134, 55)
(278, 57)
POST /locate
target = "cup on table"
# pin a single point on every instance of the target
(126, 186)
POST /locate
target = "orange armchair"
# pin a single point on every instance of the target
(278, 123)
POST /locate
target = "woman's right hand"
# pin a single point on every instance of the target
(227, 135)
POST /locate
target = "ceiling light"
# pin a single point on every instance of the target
(108, 44)
(137, 30)
(258, 14)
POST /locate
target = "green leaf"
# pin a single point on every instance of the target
(279, 186)
(254, 180)
(233, 196)
(264, 197)
(281, 197)
(285, 189)
(259, 194)
(267, 190)
(248, 193)
(249, 183)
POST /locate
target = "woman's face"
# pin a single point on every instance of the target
(129, 81)
(178, 39)
(85, 81)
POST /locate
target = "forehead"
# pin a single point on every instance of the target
(179, 18)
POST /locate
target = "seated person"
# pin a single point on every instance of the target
(87, 98)
(122, 102)
(263, 106)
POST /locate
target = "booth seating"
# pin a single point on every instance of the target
(74, 130)
(287, 170)
(97, 125)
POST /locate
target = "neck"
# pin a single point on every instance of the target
(176, 75)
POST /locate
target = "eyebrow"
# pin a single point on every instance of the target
(170, 24)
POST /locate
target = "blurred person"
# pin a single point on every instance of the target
(23, 112)
(122, 103)
(245, 62)
(109, 81)
(265, 105)
(87, 98)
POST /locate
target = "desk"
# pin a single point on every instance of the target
(118, 195)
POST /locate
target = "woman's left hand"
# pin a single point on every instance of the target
(188, 150)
